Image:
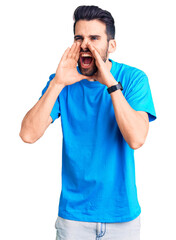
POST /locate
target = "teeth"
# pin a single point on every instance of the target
(85, 55)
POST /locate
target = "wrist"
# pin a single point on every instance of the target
(111, 82)
(56, 84)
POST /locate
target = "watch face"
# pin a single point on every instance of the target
(120, 85)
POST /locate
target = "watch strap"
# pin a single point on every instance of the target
(115, 87)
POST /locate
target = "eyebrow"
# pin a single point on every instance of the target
(80, 36)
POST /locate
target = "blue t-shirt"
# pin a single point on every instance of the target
(98, 167)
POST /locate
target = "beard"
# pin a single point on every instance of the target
(93, 69)
(88, 71)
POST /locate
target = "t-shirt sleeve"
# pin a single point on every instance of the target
(139, 95)
(55, 112)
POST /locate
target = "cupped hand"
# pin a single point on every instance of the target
(103, 75)
(66, 73)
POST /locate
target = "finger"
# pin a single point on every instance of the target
(64, 56)
(72, 50)
(93, 50)
(95, 53)
(77, 51)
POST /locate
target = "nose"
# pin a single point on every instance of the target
(84, 45)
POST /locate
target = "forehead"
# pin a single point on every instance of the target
(93, 27)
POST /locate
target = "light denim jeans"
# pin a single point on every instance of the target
(77, 230)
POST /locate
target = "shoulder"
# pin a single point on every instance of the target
(127, 72)
(52, 76)
(130, 77)
(132, 72)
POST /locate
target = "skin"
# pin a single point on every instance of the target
(93, 32)
(133, 124)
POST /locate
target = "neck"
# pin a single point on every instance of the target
(109, 64)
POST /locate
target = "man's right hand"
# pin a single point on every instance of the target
(66, 73)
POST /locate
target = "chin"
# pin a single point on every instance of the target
(88, 72)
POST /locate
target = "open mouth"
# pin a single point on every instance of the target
(86, 60)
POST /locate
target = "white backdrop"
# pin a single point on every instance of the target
(34, 35)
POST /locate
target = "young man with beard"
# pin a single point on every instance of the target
(105, 109)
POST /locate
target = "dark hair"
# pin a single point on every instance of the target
(93, 12)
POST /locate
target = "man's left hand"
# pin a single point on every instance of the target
(103, 75)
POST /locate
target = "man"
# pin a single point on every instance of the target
(105, 109)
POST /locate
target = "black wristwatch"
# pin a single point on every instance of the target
(115, 87)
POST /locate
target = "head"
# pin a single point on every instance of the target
(93, 24)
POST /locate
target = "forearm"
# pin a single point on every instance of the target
(132, 125)
(36, 120)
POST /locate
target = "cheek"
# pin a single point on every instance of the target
(97, 47)
(99, 50)
(100, 47)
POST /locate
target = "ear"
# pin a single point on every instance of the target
(112, 46)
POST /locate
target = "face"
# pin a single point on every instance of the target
(92, 31)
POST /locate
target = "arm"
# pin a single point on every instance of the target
(38, 118)
(133, 124)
